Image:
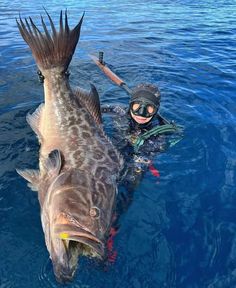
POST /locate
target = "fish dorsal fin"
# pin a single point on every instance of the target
(91, 101)
(32, 176)
(34, 121)
(53, 163)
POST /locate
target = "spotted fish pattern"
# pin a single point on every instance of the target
(79, 167)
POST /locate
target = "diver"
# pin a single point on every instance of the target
(139, 119)
(140, 127)
(139, 131)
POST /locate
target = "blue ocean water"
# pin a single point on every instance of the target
(180, 229)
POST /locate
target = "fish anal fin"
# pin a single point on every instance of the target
(91, 101)
(32, 176)
(34, 121)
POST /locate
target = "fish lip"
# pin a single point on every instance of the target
(78, 234)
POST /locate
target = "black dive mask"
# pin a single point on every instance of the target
(143, 109)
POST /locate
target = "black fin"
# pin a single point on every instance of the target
(34, 120)
(91, 101)
(55, 50)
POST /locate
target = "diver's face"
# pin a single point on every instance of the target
(142, 112)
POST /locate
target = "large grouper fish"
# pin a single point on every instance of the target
(79, 167)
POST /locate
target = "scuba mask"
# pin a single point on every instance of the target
(143, 108)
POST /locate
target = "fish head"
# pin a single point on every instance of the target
(76, 217)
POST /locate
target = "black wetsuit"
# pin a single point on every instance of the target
(125, 132)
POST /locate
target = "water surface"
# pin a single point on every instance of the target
(180, 229)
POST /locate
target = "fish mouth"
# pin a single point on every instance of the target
(76, 242)
(87, 243)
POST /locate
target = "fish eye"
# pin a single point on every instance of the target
(94, 212)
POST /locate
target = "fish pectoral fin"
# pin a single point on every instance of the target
(32, 176)
(91, 101)
(53, 162)
(34, 121)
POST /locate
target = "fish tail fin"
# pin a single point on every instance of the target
(51, 49)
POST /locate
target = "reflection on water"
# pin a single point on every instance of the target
(179, 230)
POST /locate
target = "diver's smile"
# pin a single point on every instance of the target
(140, 119)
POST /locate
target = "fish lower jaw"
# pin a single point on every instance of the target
(86, 246)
